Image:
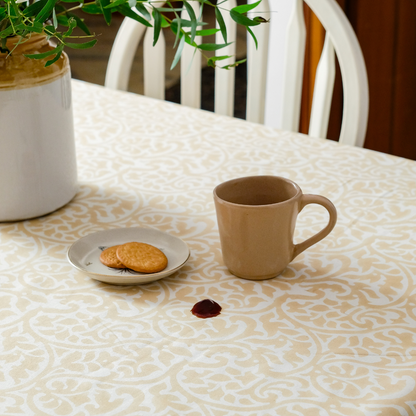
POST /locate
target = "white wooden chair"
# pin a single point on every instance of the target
(261, 101)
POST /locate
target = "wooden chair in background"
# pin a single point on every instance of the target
(262, 102)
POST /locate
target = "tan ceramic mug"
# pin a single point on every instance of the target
(256, 219)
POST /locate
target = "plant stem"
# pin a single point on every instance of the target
(80, 6)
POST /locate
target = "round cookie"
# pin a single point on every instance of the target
(109, 258)
(142, 257)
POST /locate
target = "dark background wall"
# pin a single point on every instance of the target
(386, 30)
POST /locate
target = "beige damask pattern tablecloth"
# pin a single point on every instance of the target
(334, 335)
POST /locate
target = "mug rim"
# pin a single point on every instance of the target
(281, 178)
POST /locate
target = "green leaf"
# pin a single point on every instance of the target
(57, 56)
(178, 22)
(34, 8)
(54, 19)
(36, 27)
(244, 8)
(188, 41)
(143, 10)
(6, 32)
(181, 22)
(165, 23)
(219, 58)
(115, 4)
(46, 11)
(91, 9)
(178, 52)
(221, 23)
(72, 24)
(201, 11)
(63, 20)
(80, 23)
(253, 36)
(241, 19)
(211, 61)
(261, 19)
(169, 9)
(192, 16)
(45, 54)
(60, 9)
(84, 45)
(212, 46)
(3, 48)
(156, 26)
(126, 11)
(234, 64)
(106, 13)
(3, 24)
(20, 27)
(14, 11)
(174, 28)
(207, 32)
(49, 29)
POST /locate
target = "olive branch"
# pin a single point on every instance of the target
(57, 20)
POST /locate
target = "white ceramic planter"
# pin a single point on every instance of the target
(38, 172)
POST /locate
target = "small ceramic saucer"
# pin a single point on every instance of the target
(84, 254)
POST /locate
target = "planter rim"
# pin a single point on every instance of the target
(18, 72)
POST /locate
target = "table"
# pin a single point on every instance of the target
(334, 335)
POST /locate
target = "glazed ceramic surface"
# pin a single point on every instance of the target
(38, 172)
(84, 254)
(256, 219)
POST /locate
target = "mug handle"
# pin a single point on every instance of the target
(329, 206)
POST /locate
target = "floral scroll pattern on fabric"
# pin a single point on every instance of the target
(334, 335)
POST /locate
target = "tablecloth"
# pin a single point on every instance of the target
(335, 334)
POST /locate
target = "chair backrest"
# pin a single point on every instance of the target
(262, 63)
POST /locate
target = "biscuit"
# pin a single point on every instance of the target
(142, 257)
(109, 258)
